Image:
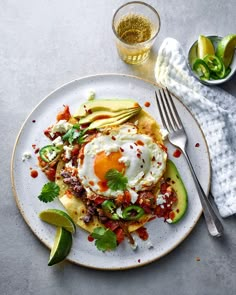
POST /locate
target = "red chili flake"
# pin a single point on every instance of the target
(34, 173)
(197, 144)
(36, 151)
(91, 182)
(139, 156)
(90, 112)
(153, 158)
(139, 260)
(140, 142)
(198, 259)
(177, 153)
(90, 238)
(131, 147)
(33, 121)
(34, 146)
(113, 137)
(122, 150)
(177, 210)
(147, 104)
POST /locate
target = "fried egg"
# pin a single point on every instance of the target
(137, 156)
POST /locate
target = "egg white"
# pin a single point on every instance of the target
(145, 163)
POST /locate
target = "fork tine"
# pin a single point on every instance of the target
(175, 115)
(160, 108)
(168, 111)
(161, 101)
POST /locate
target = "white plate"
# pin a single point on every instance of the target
(164, 237)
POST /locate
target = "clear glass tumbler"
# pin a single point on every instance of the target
(135, 25)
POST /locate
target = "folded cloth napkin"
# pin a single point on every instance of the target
(215, 110)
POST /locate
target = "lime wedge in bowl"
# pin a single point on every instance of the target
(58, 218)
(204, 47)
(226, 49)
(61, 247)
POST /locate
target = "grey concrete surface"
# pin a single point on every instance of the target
(46, 43)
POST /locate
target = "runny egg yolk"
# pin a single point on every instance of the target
(104, 162)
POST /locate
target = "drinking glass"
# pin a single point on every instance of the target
(136, 26)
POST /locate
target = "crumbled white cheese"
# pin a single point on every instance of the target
(119, 212)
(68, 150)
(91, 95)
(57, 141)
(149, 244)
(160, 199)
(134, 246)
(26, 156)
(51, 155)
(69, 164)
(169, 220)
(61, 126)
(134, 195)
(164, 133)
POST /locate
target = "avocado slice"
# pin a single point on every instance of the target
(173, 177)
(111, 121)
(100, 115)
(112, 105)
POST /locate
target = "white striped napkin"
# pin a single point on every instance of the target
(215, 111)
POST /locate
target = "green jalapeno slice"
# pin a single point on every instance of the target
(201, 69)
(213, 63)
(48, 153)
(132, 212)
(109, 207)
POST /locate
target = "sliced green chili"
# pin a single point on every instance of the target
(213, 63)
(49, 153)
(109, 207)
(132, 212)
(201, 69)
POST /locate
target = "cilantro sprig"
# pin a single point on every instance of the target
(49, 192)
(116, 180)
(75, 133)
(105, 239)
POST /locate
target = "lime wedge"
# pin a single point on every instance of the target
(226, 49)
(204, 47)
(58, 218)
(61, 247)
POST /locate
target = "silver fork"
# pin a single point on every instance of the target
(177, 136)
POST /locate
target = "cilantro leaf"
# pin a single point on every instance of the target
(49, 192)
(105, 238)
(74, 133)
(116, 180)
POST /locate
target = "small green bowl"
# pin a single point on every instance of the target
(192, 55)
